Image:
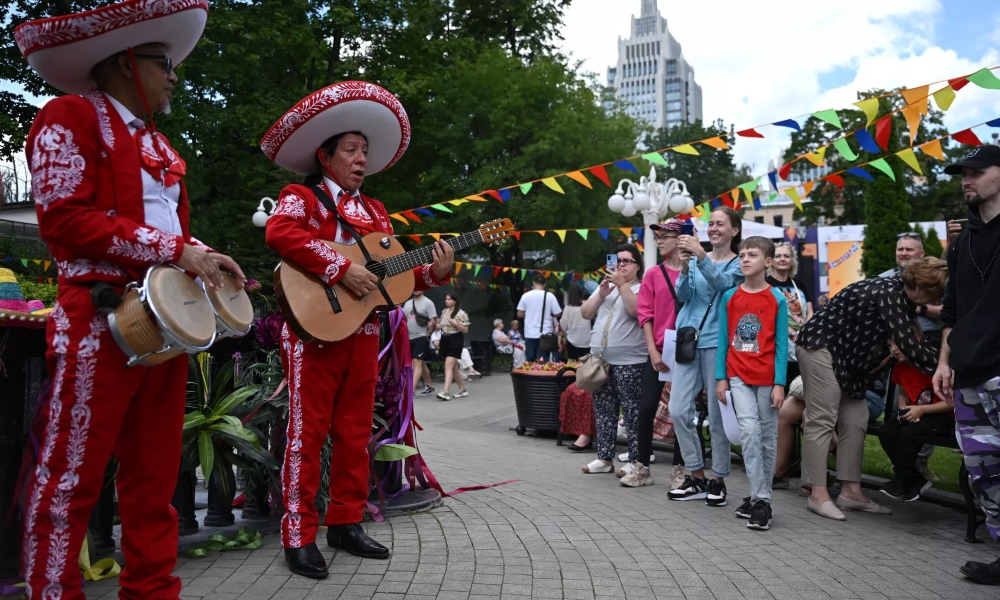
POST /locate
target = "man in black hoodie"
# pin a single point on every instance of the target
(968, 372)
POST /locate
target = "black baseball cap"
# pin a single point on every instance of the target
(981, 157)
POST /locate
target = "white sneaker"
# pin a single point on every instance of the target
(677, 477)
(461, 394)
(639, 477)
(598, 466)
(623, 457)
(444, 396)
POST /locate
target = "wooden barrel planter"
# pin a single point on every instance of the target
(536, 396)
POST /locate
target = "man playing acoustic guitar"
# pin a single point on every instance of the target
(336, 137)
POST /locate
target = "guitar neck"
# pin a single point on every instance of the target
(423, 256)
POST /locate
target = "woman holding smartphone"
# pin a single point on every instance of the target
(704, 276)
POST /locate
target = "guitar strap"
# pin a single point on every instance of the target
(325, 199)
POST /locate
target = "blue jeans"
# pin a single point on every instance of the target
(689, 378)
(758, 434)
(531, 351)
(876, 405)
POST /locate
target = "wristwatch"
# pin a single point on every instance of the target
(923, 309)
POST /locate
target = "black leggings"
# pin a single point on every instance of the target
(649, 401)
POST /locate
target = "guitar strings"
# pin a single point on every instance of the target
(422, 256)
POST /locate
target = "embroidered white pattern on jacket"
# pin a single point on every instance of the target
(367, 329)
(291, 469)
(428, 275)
(82, 266)
(335, 259)
(97, 99)
(198, 244)
(151, 246)
(291, 206)
(60, 342)
(56, 165)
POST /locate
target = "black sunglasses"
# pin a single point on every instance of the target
(167, 65)
(908, 234)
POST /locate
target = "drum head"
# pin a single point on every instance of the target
(232, 304)
(180, 305)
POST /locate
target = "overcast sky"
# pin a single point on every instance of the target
(761, 62)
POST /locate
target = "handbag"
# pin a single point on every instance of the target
(422, 320)
(687, 337)
(593, 371)
(547, 342)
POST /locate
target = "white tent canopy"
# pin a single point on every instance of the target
(750, 228)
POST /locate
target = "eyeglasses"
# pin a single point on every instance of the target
(626, 261)
(660, 238)
(908, 234)
(167, 65)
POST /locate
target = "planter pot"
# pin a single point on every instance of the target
(183, 503)
(220, 501)
(536, 396)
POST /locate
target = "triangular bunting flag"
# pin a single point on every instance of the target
(399, 218)
(933, 148)
(994, 123)
(442, 208)
(773, 178)
(656, 158)
(48, 263)
(944, 97)
(24, 261)
(985, 78)
(790, 123)
(562, 234)
(479, 198)
(830, 116)
(785, 171)
(912, 115)
(686, 149)
(917, 97)
(525, 187)
(958, 83)
(601, 173)
(870, 108)
(604, 233)
(626, 230)
(524, 273)
(751, 133)
(883, 166)
(794, 195)
(772, 198)
(552, 184)
(460, 202)
(583, 233)
(415, 238)
(836, 180)
(436, 236)
(756, 203)
(859, 172)
(867, 143)
(412, 216)
(907, 156)
(845, 150)
(626, 165)
(883, 127)
(967, 137)
(817, 157)
(717, 142)
(580, 178)
(807, 188)
(505, 195)
(491, 193)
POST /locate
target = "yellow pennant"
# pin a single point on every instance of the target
(912, 115)
(870, 108)
(562, 234)
(717, 142)
(793, 193)
(910, 159)
(932, 148)
(580, 178)
(686, 149)
(458, 202)
(817, 157)
(552, 184)
(944, 97)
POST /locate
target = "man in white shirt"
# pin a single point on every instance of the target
(420, 312)
(539, 310)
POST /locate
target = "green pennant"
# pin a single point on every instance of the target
(829, 116)
(845, 150)
(475, 271)
(24, 261)
(985, 78)
(525, 187)
(774, 196)
(524, 273)
(883, 166)
(583, 233)
(442, 207)
(656, 158)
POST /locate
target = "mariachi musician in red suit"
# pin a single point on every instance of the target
(111, 203)
(335, 137)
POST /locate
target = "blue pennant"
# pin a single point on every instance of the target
(604, 233)
(867, 143)
(994, 123)
(624, 164)
(424, 211)
(773, 177)
(790, 123)
(505, 195)
(638, 233)
(859, 172)
(756, 203)
(716, 203)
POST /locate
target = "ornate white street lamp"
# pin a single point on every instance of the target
(654, 200)
(261, 216)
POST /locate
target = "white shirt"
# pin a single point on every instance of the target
(576, 327)
(158, 201)
(535, 325)
(335, 191)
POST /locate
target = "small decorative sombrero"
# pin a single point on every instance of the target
(65, 49)
(340, 108)
(14, 309)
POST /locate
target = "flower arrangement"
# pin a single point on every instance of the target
(541, 365)
(268, 331)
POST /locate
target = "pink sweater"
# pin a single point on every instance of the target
(656, 303)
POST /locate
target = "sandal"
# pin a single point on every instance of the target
(598, 466)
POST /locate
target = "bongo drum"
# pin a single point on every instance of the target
(233, 310)
(165, 317)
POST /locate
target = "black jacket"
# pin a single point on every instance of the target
(972, 303)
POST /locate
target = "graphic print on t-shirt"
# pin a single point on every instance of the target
(745, 335)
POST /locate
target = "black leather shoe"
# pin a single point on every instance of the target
(985, 573)
(574, 448)
(354, 539)
(306, 561)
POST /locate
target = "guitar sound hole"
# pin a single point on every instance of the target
(378, 269)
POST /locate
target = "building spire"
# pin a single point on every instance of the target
(648, 8)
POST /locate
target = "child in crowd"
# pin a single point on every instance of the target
(751, 366)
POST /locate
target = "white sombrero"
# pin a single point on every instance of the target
(339, 108)
(64, 50)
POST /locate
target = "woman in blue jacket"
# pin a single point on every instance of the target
(704, 277)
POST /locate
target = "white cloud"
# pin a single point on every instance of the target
(762, 62)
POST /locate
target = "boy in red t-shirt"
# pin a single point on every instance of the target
(752, 367)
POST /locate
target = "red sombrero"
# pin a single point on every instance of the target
(64, 50)
(339, 108)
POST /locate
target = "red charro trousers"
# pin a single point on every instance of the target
(98, 406)
(331, 389)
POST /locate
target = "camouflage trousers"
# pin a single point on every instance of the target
(977, 422)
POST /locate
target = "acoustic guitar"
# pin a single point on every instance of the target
(317, 312)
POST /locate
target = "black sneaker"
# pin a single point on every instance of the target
(691, 489)
(894, 488)
(915, 488)
(743, 512)
(428, 389)
(716, 495)
(760, 516)
(985, 573)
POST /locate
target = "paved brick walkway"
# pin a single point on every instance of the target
(561, 534)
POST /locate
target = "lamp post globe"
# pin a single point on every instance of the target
(655, 201)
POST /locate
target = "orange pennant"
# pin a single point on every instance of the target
(912, 115)
(933, 148)
(807, 188)
(399, 218)
(917, 97)
(717, 142)
(580, 178)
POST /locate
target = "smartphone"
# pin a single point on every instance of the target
(687, 228)
(903, 412)
(612, 263)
